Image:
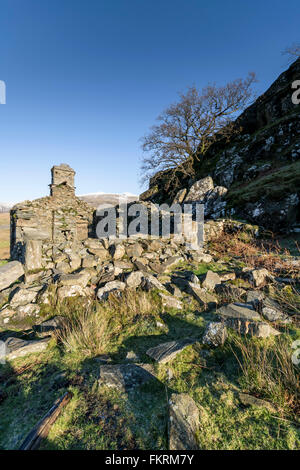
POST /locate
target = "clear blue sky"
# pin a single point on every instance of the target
(86, 78)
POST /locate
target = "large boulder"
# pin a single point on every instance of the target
(10, 273)
(199, 189)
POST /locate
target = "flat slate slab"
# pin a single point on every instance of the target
(184, 421)
(125, 377)
(48, 327)
(202, 296)
(237, 310)
(165, 352)
(16, 347)
(10, 273)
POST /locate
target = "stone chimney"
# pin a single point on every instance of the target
(62, 182)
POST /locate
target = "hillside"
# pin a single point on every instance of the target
(260, 169)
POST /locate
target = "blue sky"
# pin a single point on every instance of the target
(86, 78)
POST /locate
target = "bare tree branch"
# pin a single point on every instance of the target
(187, 128)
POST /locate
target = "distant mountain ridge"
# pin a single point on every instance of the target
(97, 199)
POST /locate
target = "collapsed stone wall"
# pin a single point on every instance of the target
(57, 232)
(42, 224)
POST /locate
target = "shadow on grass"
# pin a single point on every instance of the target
(97, 417)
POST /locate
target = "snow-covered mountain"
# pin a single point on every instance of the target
(95, 199)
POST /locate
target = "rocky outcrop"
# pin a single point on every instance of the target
(256, 176)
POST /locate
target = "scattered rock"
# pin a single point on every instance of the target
(48, 327)
(215, 334)
(255, 297)
(202, 296)
(179, 198)
(10, 273)
(131, 356)
(6, 313)
(121, 264)
(16, 347)
(171, 262)
(183, 422)
(201, 257)
(124, 377)
(165, 352)
(134, 279)
(210, 280)
(117, 251)
(271, 310)
(28, 310)
(252, 328)
(141, 264)
(229, 290)
(150, 282)
(236, 310)
(230, 276)
(134, 251)
(113, 286)
(260, 276)
(170, 302)
(89, 261)
(249, 400)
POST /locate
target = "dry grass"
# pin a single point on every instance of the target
(255, 253)
(4, 236)
(289, 299)
(92, 328)
(269, 373)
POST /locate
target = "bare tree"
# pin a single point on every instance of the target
(189, 127)
(292, 51)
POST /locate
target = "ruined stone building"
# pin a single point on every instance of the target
(52, 219)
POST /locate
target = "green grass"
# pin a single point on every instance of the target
(202, 268)
(102, 418)
(276, 185)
